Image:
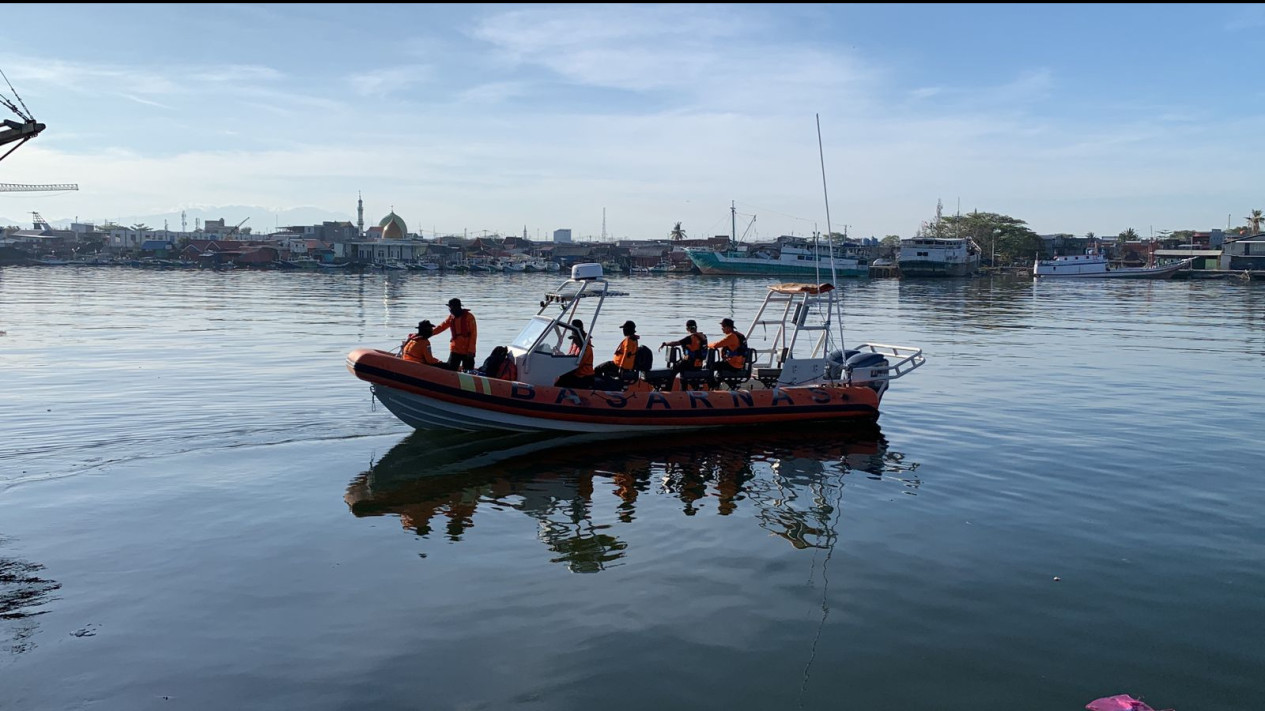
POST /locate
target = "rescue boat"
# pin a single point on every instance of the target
(798, 372)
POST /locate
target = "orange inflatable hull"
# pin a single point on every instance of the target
(427, 397)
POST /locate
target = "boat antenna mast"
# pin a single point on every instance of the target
(838, 315)
(733, 222)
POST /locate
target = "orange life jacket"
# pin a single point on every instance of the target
(733, 348)
(585, 369)
(626, 353)
(417, 349)
(507, 371)
(464, 332)
(696, 351)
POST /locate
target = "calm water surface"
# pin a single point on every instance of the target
(200, 508)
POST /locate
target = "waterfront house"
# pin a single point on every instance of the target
(1245, 253)
(156, 248)
(1200, 258)
(257, 255)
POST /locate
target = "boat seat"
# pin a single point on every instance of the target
(643, 373)
(690, 379)
(733, 379)
(695, 379)
(660, 378)
(767, 376)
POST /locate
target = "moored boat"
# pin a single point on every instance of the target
(798, 372)
(794, 258)
(789, 256)
(938, 257)
(1093, 264)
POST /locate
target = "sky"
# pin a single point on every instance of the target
(623, 120)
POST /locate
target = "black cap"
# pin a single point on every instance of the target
(423, 325)
(691, 324)
(629, 324)
(454, 303)
(727, 322)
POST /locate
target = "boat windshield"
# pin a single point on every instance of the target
(531, 332)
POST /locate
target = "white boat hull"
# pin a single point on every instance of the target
(1050, 270)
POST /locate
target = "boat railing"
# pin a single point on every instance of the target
(907, 358)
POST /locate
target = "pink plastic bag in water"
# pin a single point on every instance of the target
(1120, 702)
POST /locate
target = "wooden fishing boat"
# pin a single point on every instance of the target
(1093, 265)
(799, 372)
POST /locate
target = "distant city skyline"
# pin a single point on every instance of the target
(626, 119)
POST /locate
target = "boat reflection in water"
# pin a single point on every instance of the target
(790, 482)
(22, 595)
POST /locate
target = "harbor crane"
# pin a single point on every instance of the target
(13, 131)
(18, 133)
(230, 233)
(21, 188)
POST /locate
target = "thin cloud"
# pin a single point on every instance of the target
(387, 80)
(494, 93)
(237, 74)
(146, 102)
(1248, 18)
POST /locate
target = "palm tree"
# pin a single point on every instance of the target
(677, 233)
(1254, 221)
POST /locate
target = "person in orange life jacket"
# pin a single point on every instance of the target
(499, 364)
(464, 334)
(733, 348)
(694, 347)
(582, 375)
(625, 361)
(417, 347)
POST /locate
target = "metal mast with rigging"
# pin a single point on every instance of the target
(14, 132)
(18, 133)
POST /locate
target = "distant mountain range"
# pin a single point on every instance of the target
(261, 220)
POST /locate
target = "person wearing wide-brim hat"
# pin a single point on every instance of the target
(733, 350)
(417, 347)
(465, 333)
(625, 362)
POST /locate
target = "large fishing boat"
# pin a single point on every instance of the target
(789, 256)
(938, 257)
(1093, 264)
(932, 253)
(797, 371)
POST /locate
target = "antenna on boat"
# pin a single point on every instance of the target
(833, 278)
(733, 223)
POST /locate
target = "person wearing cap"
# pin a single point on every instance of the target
(733, 349)
(625, 362)
(417, 347)
(693, 347)
(465, 332)
(582, 375)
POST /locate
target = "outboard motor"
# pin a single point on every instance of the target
(835, 362)
(867, 369)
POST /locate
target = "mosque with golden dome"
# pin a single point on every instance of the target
(393, 227)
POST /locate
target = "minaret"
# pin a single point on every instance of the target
(360, 215)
